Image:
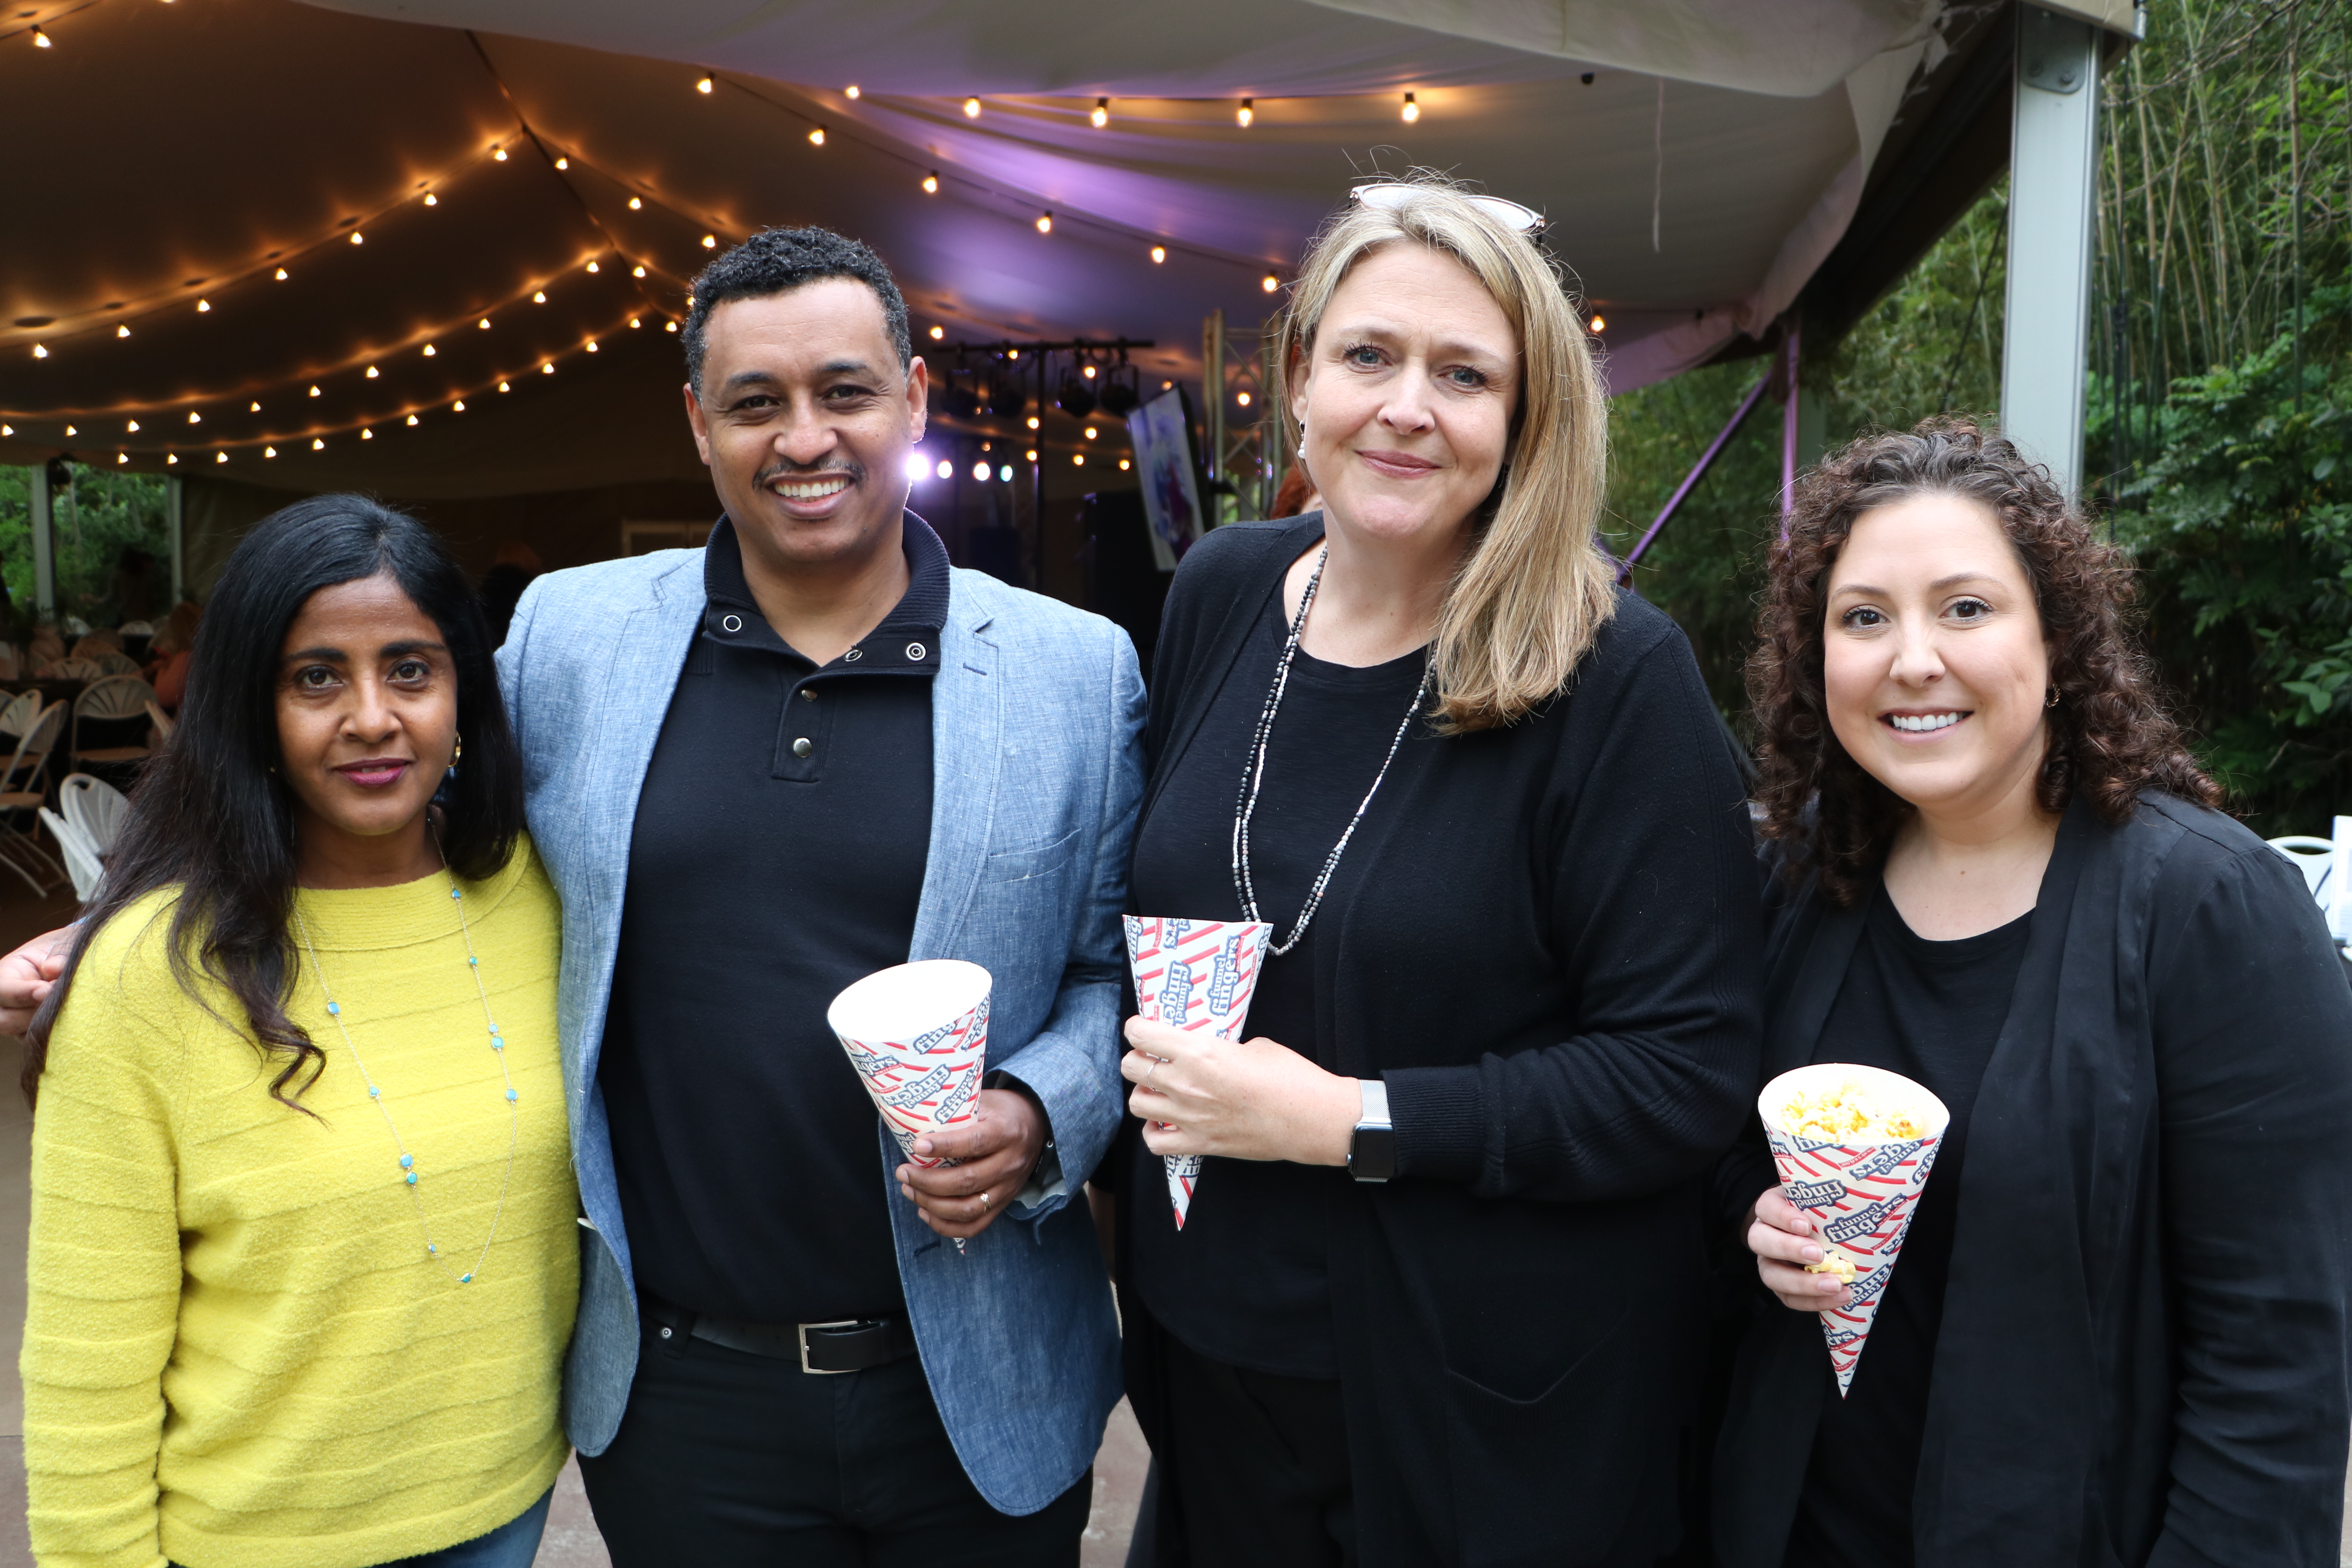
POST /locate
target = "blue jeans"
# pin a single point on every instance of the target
(512, 1546)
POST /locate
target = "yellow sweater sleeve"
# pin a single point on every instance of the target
(102, 1273)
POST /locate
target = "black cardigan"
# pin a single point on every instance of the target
(1552, 959)
(2143, 1355)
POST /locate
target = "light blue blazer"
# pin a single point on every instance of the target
(1037, 765)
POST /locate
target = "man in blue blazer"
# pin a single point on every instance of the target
(758, 772)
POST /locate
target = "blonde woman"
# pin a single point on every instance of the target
(1437, 1297)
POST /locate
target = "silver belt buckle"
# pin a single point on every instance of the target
(825, 1371)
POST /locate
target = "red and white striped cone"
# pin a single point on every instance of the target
(1194, 975)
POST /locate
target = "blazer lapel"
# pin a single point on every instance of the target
(967, 757)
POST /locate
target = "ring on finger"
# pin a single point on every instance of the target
(984, 1206)
(1157, 1063)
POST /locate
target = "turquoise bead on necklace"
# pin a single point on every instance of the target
(408, 1171)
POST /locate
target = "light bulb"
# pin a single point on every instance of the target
(281, 275)
(203, 305)
(1031, 455)
(123, 331)
(1167, 386)
(637, 273)
(1090, 432)
(1158, 254)
(971, 109)
(1269, 282)
(1033, 422)
(1077, 459)
(1012, 354)
(269, 451)
(133, 427)
(591, 345)
(538, 297)
(70, 430)
(121, 457)
(8, 429)
(669, 326)
(431, 200)
(1004, 475)
(1101, 116)
(816, 136)
(1245, 113)
(1245, 399)
(1123, 465)
(918, 468)
(1412, 109)
(458, 406)
(634, 323)
(317, 445)
(636, 203)
(592, 266)
(931, 184)
(1600, 324)
(980, 471)
(500, 154)
(412, 419)
(547, 368)
(1045, 223)
(256, 407)
(430, 351)
(988, 445)
(561, 163)
(703, 86)
(314, 392)
(947, 469)
(484, 323)
(358, 238)
(41, 41)
(852, 91)
(709, 242)
(938, 333)
(371, 373)
(173, 458)
(502, 386)
(1090, 375)
(367, 434)
(195, 417)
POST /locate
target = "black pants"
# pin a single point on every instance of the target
(730, 1460)
(1262, 1462)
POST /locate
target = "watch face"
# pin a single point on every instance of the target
(1372, 1153)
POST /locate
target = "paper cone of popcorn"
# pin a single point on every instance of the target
(1194, 975)
(917, 1035)
(1853, 1145)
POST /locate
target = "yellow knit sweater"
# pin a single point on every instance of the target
(238, 1354)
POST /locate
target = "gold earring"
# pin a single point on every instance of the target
(460, 751)
(2054, 698)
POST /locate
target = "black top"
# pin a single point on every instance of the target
(1246, 1281)
(1930, 1011)
(1547, 947)
(2142, 1356)
(778, 854)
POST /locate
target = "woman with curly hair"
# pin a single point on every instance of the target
(2117, 1331)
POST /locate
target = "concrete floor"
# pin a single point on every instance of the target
(572, 1541)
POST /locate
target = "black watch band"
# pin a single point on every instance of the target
(1371, 1150)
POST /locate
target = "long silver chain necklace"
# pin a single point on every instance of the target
(1254, 775)
(409, 1173)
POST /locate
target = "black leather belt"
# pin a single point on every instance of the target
(849, 1344)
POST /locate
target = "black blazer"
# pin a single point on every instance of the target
(1551, 955)
(2144, 1344)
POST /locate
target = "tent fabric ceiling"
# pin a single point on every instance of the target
(190, 151)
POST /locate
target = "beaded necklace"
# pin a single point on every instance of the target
(1254, 774)
(409, 1173)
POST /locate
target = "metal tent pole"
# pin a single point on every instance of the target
(176, 520)
(2052, 172)
(45, 568)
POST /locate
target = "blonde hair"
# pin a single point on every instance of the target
(1534, 587)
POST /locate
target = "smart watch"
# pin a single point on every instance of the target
(1371, 1151)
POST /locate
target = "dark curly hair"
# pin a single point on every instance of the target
(778, 260)
(2110, 735)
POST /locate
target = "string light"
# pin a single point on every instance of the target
(269, 451)
(316, 446)
(500, 154)
(852, 90)
(971, 109)
(412, 419)
(931, 184)
(39, 351)
(1269, 282)
(430, 351)
(563, 164)
(195, 417)
(938, 333)
(703, 87)
(8, 429)
(358, 238)
(669, 326)
(1101, 116)
(592, 349)
(1600, 324)
(634, 323)
(371, 373)
(1412, 109)
(817, 137)
(256, 408)
(281, 275)
(592, 266)
(538, 297)
(172, 458)
(121, 457)
(203, 305)
(41, 39)
(484, 323)
(947, 469)
(1046, 223)
(433, 201)
(1005, 474)
(709, 242)
(1090, 432)
(314, 392)
(1031, 455)
(133, 427)
(1122, 465)
(458, 406)
(1245, 113)
(1158, 254)
(502, 386)
(1090, 375)
(220, 457)
(547, 368)
(367, 434)
(1033, 422)
(1245, 399)
(636, 203)
(70, 430)
(1077, 459)
(979, 472)
(638, 272)
(123, 331)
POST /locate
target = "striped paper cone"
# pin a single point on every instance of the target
(917, 1035)
(1195, 975)
(1861, 1188)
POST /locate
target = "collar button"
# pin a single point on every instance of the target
(730, 622)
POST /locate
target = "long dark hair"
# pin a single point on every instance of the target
(213, 818)
(2110, 735)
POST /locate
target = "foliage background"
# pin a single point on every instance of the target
(95, 521)
(2219, 403)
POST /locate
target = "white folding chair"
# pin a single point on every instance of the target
(8, 661)
(95, 809)
(116, 697)
(75, 669)
(21, 791)
(161, 721)
(137, 628)
(16, 715)
(83, 867)
(116, 663)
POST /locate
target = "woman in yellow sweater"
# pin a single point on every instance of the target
(303, 1257)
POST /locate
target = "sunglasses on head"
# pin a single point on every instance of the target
(1390, 196)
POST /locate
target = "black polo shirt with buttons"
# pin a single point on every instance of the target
(778, 854)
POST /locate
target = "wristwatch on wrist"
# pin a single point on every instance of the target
(1371, 1151)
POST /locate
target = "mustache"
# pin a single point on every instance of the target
(852, 471)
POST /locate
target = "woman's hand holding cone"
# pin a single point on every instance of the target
(991, 1154)
(1243, 1099)
(1783, 1237)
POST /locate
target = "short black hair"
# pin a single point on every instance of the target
(777, 260)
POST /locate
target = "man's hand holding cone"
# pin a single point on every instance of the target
(985, 1163)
